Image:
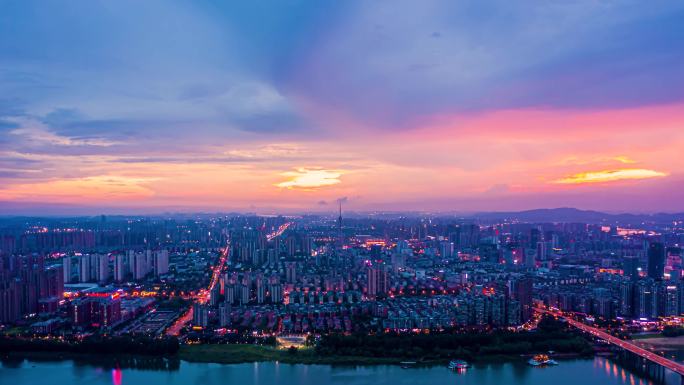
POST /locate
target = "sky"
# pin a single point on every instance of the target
(288, 106)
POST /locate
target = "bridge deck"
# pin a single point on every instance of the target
(655, 358)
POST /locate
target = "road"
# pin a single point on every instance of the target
(281, 229)
(202, 297)
(627, 345)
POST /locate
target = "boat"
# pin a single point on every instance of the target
(407, 364)
(458, 365)
(542, 360)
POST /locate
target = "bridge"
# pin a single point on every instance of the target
(625, 345)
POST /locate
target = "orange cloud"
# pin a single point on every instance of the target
(308, 179)
(89, 188)
(610, 176)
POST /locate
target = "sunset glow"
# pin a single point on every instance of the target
(610, 176)
(426, 115)
(310, 179)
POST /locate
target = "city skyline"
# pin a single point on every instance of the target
(287, 107)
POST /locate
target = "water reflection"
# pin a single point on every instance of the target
(116, 376)
(599, 371)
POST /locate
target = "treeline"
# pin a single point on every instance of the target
(549, 336)
(145, 346)
(231, 338)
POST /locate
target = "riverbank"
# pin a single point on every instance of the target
(120, 361)
(238, 354)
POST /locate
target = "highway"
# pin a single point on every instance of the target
(202, 297)
(281, 229)
(627, 345)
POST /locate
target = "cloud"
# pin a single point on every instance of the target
(610, 176)
(624, 159)
(310, 179)
(500, 188)
(7, 125)
(391, 72)
(37, 133)
(89, 188)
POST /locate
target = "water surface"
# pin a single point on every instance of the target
(596, 371)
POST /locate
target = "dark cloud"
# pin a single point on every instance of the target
(63, 117)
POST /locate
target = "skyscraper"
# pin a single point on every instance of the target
(630, 267)
(656, 261)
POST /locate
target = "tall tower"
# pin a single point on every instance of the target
(340, 240)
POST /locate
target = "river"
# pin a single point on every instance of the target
(596, 371)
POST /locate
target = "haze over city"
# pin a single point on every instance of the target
(155, 106)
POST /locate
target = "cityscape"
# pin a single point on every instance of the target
(292, 282)
(328, 192)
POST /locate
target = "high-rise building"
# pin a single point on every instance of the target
(377, 281)
(161, 262)
(214, 296)
(229, 294)
(275, 290)
(84, 268)
(25, 284)
(200, 315)
(656, 261)
(101, 264)
(446, 249)
(243, 294)
(513, 313)
(67, 269)
(630, 267)
(224, 314)
(120, 268)
(668, 300)
(627, 299)
(102, 311)
(261, 293)
(542, 251)
(139, 266)
(644, 299)
(10, 297)
(521, 291)
(291, 272)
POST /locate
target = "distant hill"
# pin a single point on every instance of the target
(567, 214)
